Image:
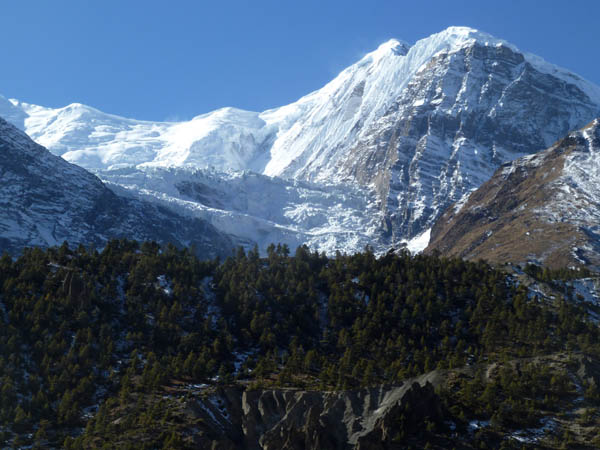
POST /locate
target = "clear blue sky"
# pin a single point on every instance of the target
(176, 59)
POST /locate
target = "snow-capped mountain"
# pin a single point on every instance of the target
(408, 129)
(46, 200)
(542, 208)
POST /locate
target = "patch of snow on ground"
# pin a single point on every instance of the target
(240, 359)
(212, 309)
(210, 412)
(475, 425)
(419, 243)
(164, 284)
(533, 435)
(218, 404)
(89, 412)
(587, 290)
(462, 202)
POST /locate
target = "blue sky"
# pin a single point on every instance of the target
(175, 59)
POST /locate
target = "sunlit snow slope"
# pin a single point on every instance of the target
(407, 130)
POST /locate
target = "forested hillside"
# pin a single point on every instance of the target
(98, 348)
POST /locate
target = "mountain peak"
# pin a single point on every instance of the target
(468, 33)
(393, 46)
(11, 112)
(451, 37)
(457, 37)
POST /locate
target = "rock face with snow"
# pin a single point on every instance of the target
(409, 129)
(46, 200)
(543, 208)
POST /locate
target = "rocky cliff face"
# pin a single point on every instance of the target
(542, 208)
(468, 110)
(295, 419)
(46, 200)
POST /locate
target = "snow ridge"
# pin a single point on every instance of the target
(279, 141)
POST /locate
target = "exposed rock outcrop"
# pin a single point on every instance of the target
(288, 419)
